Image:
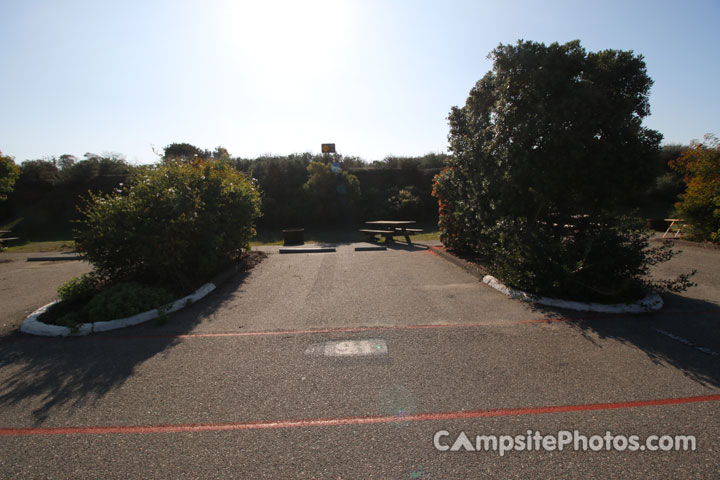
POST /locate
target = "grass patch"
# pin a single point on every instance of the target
(53, 238)
(427, 236)
(45, 246)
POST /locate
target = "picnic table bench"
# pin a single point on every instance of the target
(673, 221)
(390, 229)
(6, 239)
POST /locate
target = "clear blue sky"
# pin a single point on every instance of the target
(377, 77)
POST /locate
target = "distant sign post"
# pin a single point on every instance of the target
(328, 148)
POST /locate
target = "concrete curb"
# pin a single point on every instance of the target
(54, 259)
(370, 248)
(307, 250)
(31, 325)
(651, 303)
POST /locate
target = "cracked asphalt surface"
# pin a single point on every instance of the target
(235, 364)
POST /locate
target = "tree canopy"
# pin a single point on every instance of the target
(555, 129)
(700, 203)
(547, 150)
(9, 173)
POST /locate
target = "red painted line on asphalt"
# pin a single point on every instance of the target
(327, 330)
(334, 422)
(339, 329)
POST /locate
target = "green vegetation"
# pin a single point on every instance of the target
(174, 223)
(47, 192)
(549, 151)
(118, 301)
(699, 205)
(330, 194)
(292, 199)
(9, 173)
(41, 247)
(173, 226)
(79, 289)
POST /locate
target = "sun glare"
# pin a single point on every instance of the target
(281, 40)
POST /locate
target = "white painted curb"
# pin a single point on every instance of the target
(33, 326)
(650, 303)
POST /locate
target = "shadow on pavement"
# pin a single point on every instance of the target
(697, 325)
(47, 374)
(405, 247)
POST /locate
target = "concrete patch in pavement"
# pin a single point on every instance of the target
(348, 348)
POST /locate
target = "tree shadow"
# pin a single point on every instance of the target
(407, 247)
(685, 336)
(49, 374)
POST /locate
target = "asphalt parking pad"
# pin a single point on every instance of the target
(278, 374)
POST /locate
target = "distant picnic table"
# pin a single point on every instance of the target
(672, 221)
(390, 229)
(4, 239)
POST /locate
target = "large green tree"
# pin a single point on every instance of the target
(547, 150)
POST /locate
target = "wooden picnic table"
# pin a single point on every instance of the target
(391, 228)
(7, 239)
(673, 221)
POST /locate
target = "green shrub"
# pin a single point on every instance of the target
(79, 289)
(548, 150)
(124, 300)
(9, 173)
(699, 205)
(405, 203)
(72, 320)
(119, 301)
(174, 224)
(594, 260)
(330, 194)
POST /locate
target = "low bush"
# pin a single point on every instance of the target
(594, 260)
(124, 300)
(330, 194)
(79, 289)
(119, 301)
(175, 224)
(405, 203)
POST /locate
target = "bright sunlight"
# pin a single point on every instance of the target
(281, 40)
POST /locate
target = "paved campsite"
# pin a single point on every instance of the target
(245, 384)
